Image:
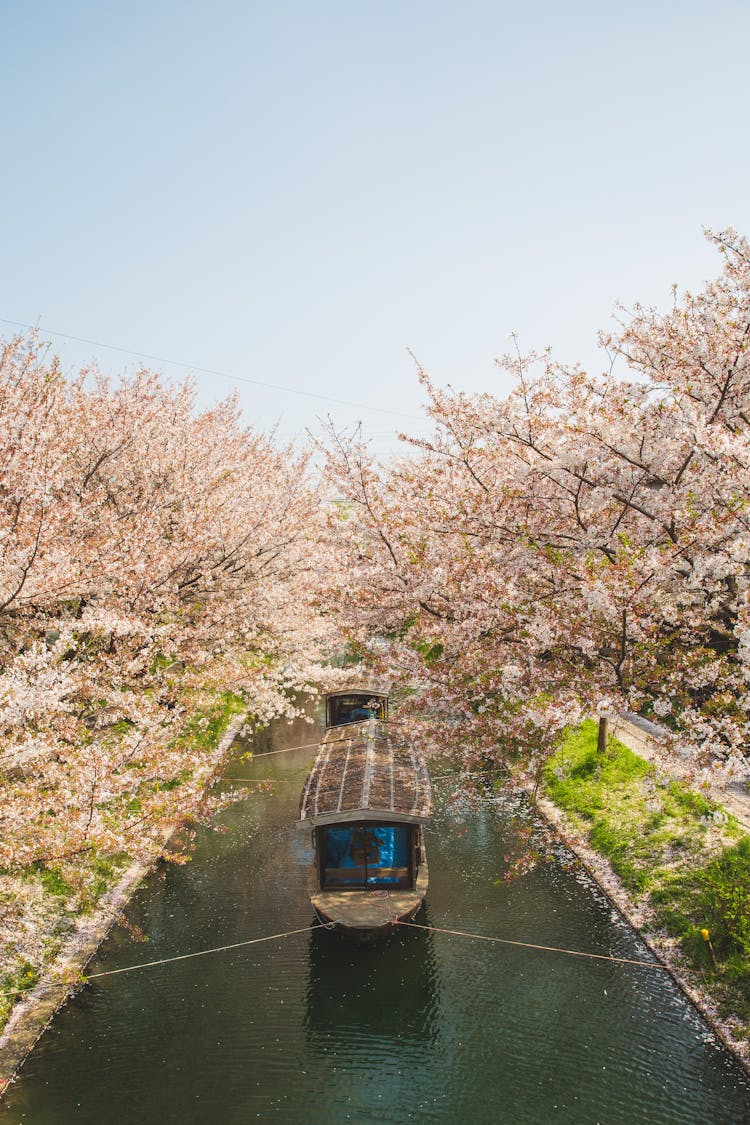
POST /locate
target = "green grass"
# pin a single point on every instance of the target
(104, 870)
(655, 832)
(52, 880)
(204, 729)
(714, 898)
(12, 987)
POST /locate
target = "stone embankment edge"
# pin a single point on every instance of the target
(640, 919)
(32, 1015)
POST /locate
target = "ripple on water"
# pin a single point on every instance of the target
(423, 1026)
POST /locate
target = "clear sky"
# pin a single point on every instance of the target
(295, 192)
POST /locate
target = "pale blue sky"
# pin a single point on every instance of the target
(295, 192)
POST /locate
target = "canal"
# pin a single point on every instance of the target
(314, 1030)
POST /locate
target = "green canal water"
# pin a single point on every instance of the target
(423, 1027)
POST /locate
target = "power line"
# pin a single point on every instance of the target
(210, 370)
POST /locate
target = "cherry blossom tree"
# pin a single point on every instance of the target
(580, 544)
(150, 557)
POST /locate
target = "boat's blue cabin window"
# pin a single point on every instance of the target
(353, 708)
(366, 855)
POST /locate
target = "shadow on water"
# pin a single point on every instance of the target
(370, 993)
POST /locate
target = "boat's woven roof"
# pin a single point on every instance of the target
(364, 771)
(366, 685)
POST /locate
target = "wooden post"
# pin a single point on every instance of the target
(601, 742)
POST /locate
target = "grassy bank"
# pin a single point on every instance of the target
(40, 905)
(677, 853)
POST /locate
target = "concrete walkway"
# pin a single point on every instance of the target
(650, 741)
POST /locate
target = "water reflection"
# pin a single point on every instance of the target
(370, 993)
(284, 734)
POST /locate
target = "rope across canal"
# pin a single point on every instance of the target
(216, 949)
(410, 925)
(531, 945)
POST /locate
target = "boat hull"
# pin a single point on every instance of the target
(371, 914)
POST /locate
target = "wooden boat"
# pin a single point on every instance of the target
(366, 799)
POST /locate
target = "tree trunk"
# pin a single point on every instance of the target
(601, 742)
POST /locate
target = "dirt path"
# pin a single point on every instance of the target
(649, 740)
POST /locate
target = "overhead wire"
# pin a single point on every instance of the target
(211, 371)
